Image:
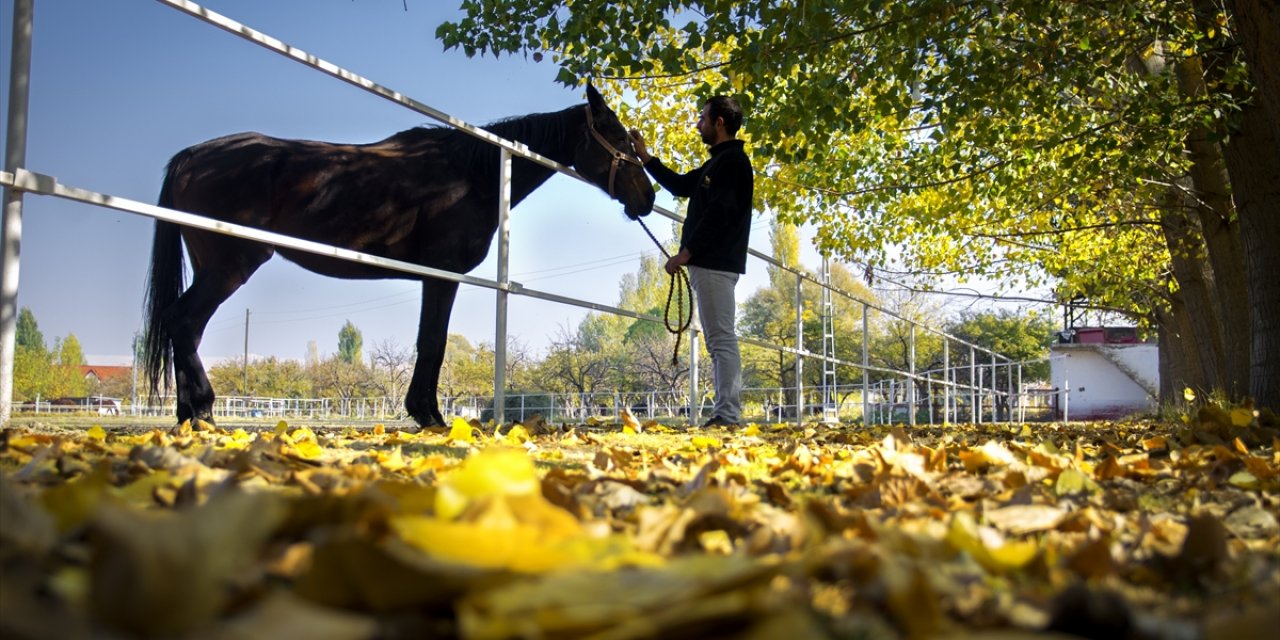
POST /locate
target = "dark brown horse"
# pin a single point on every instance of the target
(428, 196)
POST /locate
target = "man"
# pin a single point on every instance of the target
(713, 243)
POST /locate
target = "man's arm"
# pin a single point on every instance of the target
(680, 185)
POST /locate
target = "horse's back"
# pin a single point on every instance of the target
(368, 197)
(221, 174)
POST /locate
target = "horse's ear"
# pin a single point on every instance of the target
(595, 99)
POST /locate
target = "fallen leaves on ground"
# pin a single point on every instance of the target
(1126, 530)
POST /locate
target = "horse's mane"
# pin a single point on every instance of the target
(541, 132)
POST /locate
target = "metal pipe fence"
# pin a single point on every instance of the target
(888, 400)
(18, 181)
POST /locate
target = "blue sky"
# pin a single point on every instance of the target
(118, 87)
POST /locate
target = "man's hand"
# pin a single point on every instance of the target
(678, 260)
(642, 150)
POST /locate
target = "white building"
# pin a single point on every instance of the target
(1104, 374)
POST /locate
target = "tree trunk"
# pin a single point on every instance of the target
(1179, 360)
(1197, 324)
(1211, 200)
(1253, 161)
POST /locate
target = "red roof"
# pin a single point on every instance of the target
(105, 372)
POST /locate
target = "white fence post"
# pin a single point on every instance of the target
(11, 232)
(503, 291)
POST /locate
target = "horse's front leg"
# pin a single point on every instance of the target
(433, 334)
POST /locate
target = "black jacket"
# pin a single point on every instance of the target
(718, 223)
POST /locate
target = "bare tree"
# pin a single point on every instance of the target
(392, 367)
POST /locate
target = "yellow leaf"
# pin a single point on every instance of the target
(517, 435)
(1188, 394)
(308, 450)
(630, 425)
(492, 472)
(141, 492)
(652, 426)
(704, 442)
(1014, 554)
(461, 431)
(74, 503)
(752, 429)
(1241, 417)
(522, 532)
(393, 461)
(302, 434)
(282, 428)
(96, 432)
(239, 439)
(1071, 482)
(994, 554)
(1244, 480)
(516, 547)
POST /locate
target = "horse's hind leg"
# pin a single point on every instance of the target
(433, 334)
(214, 282)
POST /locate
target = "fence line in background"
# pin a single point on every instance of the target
(885, 401)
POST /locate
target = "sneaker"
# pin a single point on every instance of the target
(717, 421)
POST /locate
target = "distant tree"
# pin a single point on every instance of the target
(70, 353)
(32, 362)
(270, 377)
(646, 351)
(575, 361)
(769, 314)
(519, 364)
(112, 387)
(32, 374)
(65, 379)
(1020, 336)
(392, 368)
(313, 354)
(890, 342)
(28, 334)
(350, 343)
(467, 369)
(338, 379)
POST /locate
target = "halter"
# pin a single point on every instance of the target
(618, 156)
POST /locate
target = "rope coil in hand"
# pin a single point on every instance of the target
(679, 289)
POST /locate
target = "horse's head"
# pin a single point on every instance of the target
(607, 159)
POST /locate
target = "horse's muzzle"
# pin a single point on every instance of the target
(636, 210)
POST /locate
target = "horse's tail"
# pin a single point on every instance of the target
(166, 281)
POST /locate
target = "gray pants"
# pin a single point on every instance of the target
(717, 309)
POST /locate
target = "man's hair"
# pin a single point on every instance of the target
(727, 108)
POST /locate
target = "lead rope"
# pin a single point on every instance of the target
(680, 277)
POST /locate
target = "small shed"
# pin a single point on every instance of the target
(1103, 373)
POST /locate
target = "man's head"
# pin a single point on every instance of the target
(720, 120)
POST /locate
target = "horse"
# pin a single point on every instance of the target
(427, 195)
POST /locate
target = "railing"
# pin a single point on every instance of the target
(886, 399)
(17, 181)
